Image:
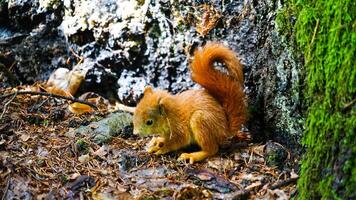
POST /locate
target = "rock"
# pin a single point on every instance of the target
(115, 124)
(81, 183)
(98, 77)
(275, 154)
(155, 50)
(29, 32)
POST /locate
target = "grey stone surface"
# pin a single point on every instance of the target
(115, 124)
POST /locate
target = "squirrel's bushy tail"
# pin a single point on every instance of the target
(226, 88)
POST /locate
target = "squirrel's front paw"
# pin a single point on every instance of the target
(187, 156)
(155, 146)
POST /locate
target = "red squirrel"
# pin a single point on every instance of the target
(206, 117)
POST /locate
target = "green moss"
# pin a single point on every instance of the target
(284, 21)
(326, 32)
(82, 146)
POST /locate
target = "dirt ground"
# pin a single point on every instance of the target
(40, 159)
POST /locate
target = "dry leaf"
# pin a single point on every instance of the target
(220, 164)
(258, 150)
(74, 176)
(24, 137)
(101, 152)
(204, 176)
(293, 174)
(84, 158)
(250, 177)
(79, 108)
(277, 194)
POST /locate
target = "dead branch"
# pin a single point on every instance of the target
(6, 189)
(6, 104)
(50, 95)
(284, 183)
(348, 105)
(125, 108)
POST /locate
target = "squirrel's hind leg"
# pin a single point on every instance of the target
(204, 136)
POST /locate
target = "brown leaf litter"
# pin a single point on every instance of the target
(38, 160)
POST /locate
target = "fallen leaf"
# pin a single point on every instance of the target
(293, 174)
(79, 108)
(220, 164)
(101, 152)
(84, 158)
(250, 177)
(204, 176)
(24, 137)
(258, 150)
(74, 176)
(277, 194)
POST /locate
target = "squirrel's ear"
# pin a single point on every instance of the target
(161, 106)
(148, 90)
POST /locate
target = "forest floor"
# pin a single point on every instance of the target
(40, 159)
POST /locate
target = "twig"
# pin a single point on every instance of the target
(12, 65)
(243, 194)
(348, 105)
(7, 103)
(312, 39)
(80, 58)
(6, 189)
(35, 107)
(125, 108)
(314, 33)
(284, 183)
(50, 95)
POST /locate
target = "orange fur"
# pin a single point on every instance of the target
(204, 117)
(228, 90)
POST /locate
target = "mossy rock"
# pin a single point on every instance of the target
(102, 131)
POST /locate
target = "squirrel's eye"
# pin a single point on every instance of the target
(149, 122)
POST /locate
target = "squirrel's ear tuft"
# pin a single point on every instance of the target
(148, 90)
